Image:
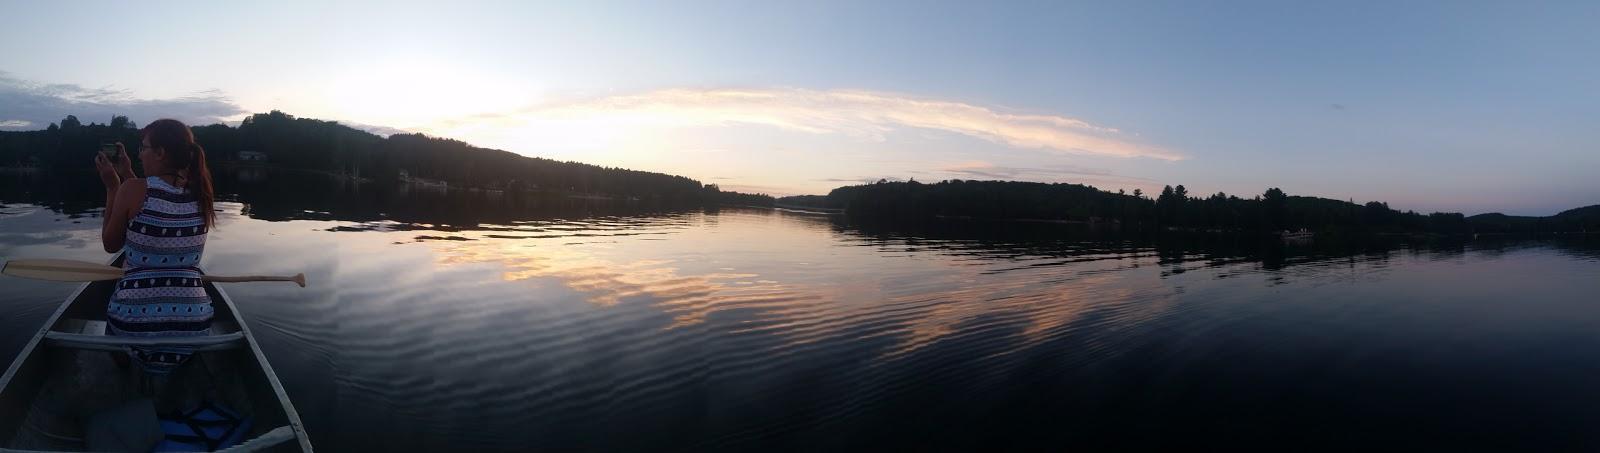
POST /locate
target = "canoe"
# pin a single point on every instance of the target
(65, 380)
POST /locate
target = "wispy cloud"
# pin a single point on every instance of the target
(379, 130)
(757, 188)
(29, 105)
(868, 179)
(863, 114)
(1055, 173)
(982, 169)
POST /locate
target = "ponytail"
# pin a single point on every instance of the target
(199, 184)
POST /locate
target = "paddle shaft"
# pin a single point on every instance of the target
(66, 270)
(88, 271)
(299, 279)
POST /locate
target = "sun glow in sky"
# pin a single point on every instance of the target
(416, 93)
(1430, 106)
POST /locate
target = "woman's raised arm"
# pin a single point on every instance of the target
(122, 203)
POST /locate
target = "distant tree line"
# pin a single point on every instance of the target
(326, 146)
(332, 148)
(69, 144)
(1173, 209)
(737, 198)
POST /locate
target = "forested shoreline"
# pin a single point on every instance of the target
(1173, 209)
(280, 140)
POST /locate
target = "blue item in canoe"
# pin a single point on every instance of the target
(209, 427)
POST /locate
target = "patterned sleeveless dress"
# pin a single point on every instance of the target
(160, 293)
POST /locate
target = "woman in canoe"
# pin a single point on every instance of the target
(160, 223)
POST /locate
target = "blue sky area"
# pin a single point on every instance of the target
(1449, 106)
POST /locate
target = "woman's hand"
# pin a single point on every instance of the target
(123, 164)
(107, 171)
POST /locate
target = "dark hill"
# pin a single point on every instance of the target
(1173, 209)
(326, 146)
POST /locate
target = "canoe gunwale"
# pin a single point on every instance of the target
(39, 336)
(33, 343)
(266, 368)
(47, 336)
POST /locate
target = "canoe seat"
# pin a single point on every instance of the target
(111, 343)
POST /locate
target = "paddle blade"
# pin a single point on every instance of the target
(60, 270)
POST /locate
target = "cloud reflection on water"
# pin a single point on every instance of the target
(915, 300)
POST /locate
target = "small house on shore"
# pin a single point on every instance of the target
(411, 181)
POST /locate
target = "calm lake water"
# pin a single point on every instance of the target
(469, 321)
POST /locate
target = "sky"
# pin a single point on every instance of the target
(1432, 106)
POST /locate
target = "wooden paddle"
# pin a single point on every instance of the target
(80, 271)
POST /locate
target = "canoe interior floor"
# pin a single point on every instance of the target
(82, 383)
